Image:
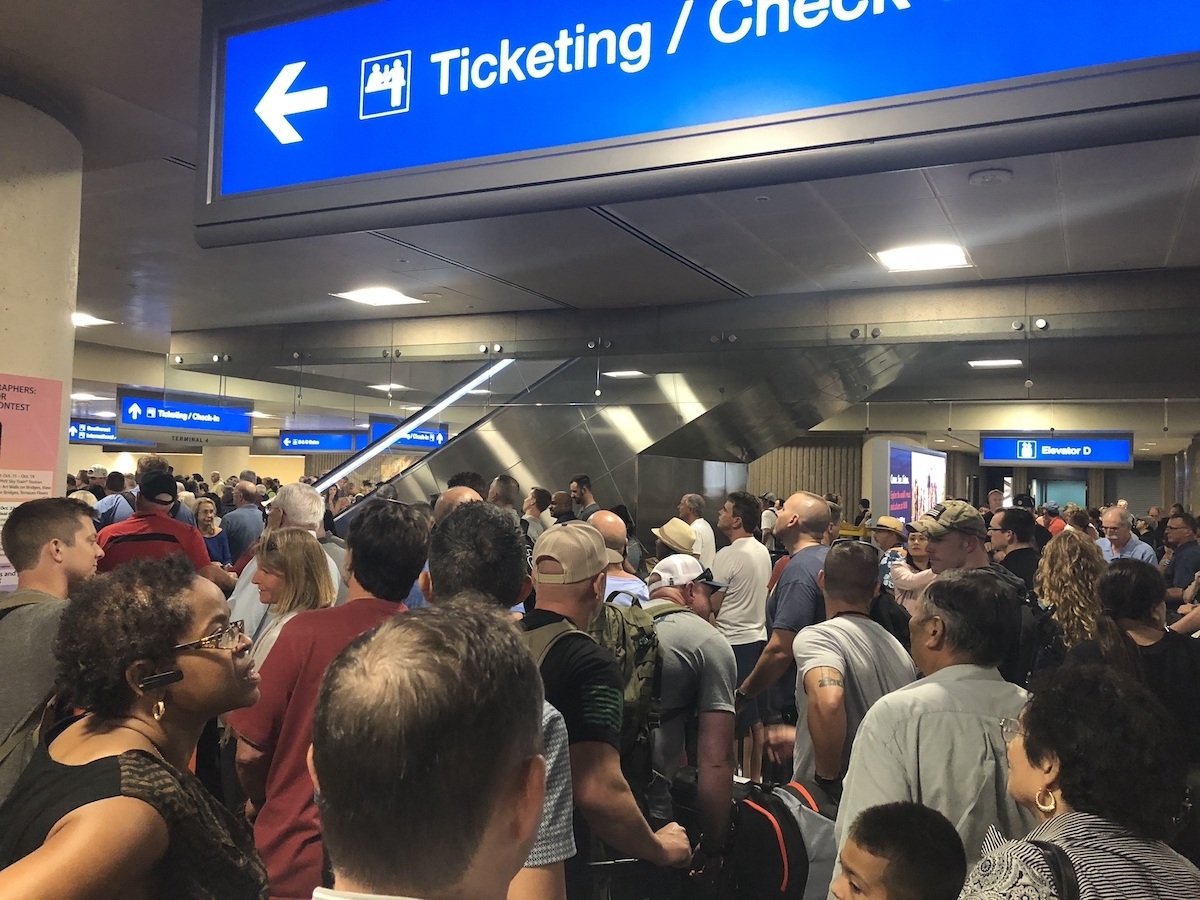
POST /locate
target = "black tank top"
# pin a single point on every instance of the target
(211, 854)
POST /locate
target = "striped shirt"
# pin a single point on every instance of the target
(1110, 864)
(150, 536)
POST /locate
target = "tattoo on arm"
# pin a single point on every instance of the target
(830, 678)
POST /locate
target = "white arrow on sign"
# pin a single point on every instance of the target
(73, 430)
(277, 104)
(134, 412)
(287, 442)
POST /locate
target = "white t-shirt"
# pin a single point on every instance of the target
(706, 542)
(634, 586)
(766, 525)
(745, 565)
(872, 663)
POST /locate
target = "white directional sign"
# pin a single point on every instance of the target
(277, 104)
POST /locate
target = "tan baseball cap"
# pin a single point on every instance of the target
(577, 547)
(947, 516)
(678, 535)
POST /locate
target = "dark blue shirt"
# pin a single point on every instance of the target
(795, 603)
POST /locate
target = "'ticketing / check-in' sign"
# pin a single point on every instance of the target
(396, 86)
(173, 419)
(1058, 449)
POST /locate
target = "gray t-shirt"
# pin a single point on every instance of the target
(27, 670)
(872, 663)
(699, 674)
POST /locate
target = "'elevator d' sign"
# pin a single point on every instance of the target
(1060, 449)
(397, 85)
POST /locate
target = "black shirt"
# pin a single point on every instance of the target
(583, 682)
(1023, 563)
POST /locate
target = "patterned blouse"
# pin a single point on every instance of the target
(1110, 864)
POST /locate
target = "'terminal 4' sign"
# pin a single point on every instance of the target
(397, 85)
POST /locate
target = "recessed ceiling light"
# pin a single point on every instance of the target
(995, 363)
(365, 425)
(923, 257)
(83, 320)
(479, 391)
(378, 296)
(626, 373)
(105, 414)
(83, 398)
(390, 387)
(255, 414)
(939, 440)
(1151, 443)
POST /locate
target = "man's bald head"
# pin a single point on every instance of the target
(803, 514)
(612, 529)
(246, 491)
(451, 499)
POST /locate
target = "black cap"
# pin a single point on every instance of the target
(1023, 501)
(155, 486)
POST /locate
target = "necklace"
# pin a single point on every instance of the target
(851, 612)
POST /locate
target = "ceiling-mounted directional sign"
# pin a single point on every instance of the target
(183, 418)
(316, 111)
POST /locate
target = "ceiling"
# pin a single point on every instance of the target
(123, 74)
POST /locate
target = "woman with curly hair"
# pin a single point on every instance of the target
(107, 807)
(1065, 583)
(1098, 761)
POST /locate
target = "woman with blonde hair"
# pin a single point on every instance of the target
(1065, 583)
(293, 576)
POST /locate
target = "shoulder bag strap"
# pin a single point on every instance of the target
(1066, 883)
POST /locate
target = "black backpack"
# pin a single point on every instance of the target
(782, 845)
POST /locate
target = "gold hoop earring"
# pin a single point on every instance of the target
(1045, 806)
(160, 710)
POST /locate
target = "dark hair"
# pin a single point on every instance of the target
(390, 703)
(1020, 522)
(835, 514)
(137, 611)
(479, 547)
(925, 857)
(115, 482)
(864, 503)
(584, 482)
(972, 604)
(35, 523)
(1188, 519)
(473, 480)
(851, 570)
(541, 498)
(508, 489)
(151, 462)
(1120, 753)
(1131, 589)
(387, 543)
(747, 508)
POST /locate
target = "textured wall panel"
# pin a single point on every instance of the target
(813, 463)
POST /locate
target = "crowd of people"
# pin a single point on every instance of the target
(504, 694)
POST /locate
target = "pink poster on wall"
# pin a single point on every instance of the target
(30, 435)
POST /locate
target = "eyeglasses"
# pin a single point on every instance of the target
(1009, 729)
(1178, 528)
(223, 639)
(990, 530)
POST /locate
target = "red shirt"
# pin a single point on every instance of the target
(287, 832)
(152, 536)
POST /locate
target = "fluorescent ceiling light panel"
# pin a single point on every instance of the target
(626, 373)
(378, 296)
(409, 425)
(106, 414)
(255, 414)
(923, 257)
(83, 320)
(995, 363)
(85, 397)
(479, 391)
(390, 387)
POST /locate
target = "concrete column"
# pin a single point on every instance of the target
(226, 460)
(41, 181)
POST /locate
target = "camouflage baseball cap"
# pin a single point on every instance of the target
(950, 515)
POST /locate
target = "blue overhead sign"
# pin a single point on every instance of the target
(396, 85)
(1067, 449)
(320, 441)
(147, 411)
(85, 431)
(417, 439)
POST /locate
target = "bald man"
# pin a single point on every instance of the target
(561, 508)
(796, 602)
(616, 540)
(451, 499)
